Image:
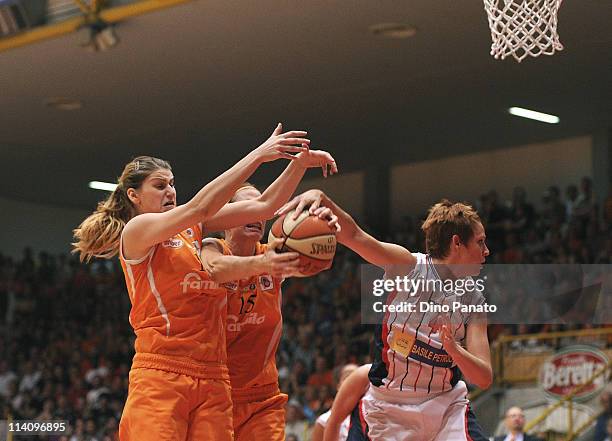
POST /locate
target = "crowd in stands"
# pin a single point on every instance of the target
(66, 344)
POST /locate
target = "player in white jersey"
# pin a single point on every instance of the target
(345, 420)
(416, 392)
(322, 421)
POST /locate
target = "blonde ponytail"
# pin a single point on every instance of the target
(99, 234)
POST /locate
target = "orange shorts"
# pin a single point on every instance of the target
(165, 405)
(260, 420)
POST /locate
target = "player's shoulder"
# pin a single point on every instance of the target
(216, 244)
(406, 269)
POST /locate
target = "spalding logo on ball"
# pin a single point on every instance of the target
(309, 236)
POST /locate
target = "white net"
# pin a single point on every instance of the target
(523, 27)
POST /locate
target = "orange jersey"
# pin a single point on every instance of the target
(254, 327)
(178, 313)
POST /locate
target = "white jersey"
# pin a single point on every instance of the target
(344, 427)
(409, 354)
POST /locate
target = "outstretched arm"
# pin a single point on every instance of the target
(374, 251)
(146, 230)
(223, 268)
(244, 212)
(348, 396)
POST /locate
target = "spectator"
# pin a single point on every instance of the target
(553, 209)
(571, 200)
(495, 217)
(609, 430)
(295, 424)
(513, 254)
(515, 422)
(7, 377)
(603, 420)
(30, 377)
(586, 201)
(322, 376)
(521, 212)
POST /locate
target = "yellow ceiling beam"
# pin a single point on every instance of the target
(110, 15)
(41, 33)
(122, 12)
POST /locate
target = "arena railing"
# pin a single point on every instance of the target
(572, 433)
(513, 366)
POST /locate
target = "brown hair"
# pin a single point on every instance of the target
(444, 220)
(98, 235)
(242, 187)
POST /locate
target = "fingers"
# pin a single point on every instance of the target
(334, 167)
(285, 264)
(294, 134)
(314, 206)
(322, 212)
(331, 164)
(304, 142)
(292, 148)
(278, 129)
(276, 244)
(289, 257)
(326, 214)
(299, 208)
(445, 320)
(325, 161)
(281, 264)
(287, 207)
(333, 223)
(285, 270)
(446, 331)
(287, 156)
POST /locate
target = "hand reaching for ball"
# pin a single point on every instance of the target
(310, 236)
(312, 199)
(277, 264)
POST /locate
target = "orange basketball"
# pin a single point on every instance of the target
(309, 236)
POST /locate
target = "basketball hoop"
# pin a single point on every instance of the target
(523, 27)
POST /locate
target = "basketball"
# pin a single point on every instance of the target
(309, 236)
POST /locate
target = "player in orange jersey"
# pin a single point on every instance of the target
(252, 274)
(179, 384)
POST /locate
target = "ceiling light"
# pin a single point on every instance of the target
(532, 114)
(393, 30)
(61, 103)
(106, 186)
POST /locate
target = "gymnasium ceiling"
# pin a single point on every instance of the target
(202, 83)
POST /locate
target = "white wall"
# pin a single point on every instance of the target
(415, 187)
(42, 227)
